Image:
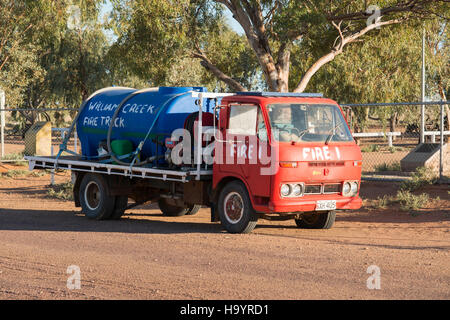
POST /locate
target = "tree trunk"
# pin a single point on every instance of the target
(393, 123)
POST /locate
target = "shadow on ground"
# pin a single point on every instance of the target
(73, 221)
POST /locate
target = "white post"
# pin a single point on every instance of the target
(422, 110)
(2, 122)
(75, 136)
(199, 136)
(441, 152)
(52, 171)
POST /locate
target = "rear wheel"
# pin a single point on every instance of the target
(316, 220)
(235, 209)
(193, 209)
(121, 204)
(94, 199)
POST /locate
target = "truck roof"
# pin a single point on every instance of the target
(280, 94)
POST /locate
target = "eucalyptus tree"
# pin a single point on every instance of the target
(152, 34)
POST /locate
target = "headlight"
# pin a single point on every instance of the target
(354, 188)
(285, 190)
(346, 189)
(290, 190)
(350, 188)
(297, 190)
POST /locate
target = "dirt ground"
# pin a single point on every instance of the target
(147, 256)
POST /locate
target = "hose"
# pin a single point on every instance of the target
(141, 144)
(63, 145)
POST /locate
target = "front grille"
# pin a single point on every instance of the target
(332, 188)
(313, 189)
(327, 188)
(326, 163)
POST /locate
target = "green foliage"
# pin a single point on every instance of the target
(46, 63)
(370, 148)
(62, 191)
(388, 167)
(409, 201)
(14, 173)
(421, 177)
(395, 149)
(15, 159)
(385, 67)
(151, 34)
(382, 202)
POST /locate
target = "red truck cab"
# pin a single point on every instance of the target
(283, 156)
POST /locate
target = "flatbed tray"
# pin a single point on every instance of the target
(75, 163)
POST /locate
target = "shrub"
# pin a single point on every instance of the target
(409, 201)
(15, 159)
(14, 173)
(388, 167)
(421, 177)
(395, 149)
(383, 202)
(370, 148)
(62, 191)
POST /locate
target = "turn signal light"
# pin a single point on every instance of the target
(288, 164)
(357, 163)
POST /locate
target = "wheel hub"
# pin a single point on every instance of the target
(233, 207)
(92, 195)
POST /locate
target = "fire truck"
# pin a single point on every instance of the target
(244, 155)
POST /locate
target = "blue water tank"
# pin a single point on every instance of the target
(169, 105)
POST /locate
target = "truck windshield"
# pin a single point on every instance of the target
(308, 122)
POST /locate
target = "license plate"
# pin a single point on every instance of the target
(324, 205)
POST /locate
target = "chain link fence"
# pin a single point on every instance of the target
(33, 132)
(392, 141)
(389, 136)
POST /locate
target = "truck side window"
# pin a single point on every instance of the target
(243, 120)
(262, 130)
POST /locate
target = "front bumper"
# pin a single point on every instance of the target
(309, 204)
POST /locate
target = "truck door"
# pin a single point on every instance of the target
(244, 136)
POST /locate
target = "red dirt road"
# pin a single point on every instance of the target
(147, 256)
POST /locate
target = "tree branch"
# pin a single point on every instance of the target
(401, 6)
(208, 65)
(338, 49)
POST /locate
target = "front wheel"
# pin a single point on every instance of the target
(235, 209)
(316, 220)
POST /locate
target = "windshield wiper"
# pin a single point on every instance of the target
(333, 132)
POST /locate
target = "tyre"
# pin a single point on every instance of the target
(193, 209)
(119, 207)
(94, 199)
(235, 209)
(171, 210)
(317, 220)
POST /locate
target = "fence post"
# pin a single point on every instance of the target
(75, 135)
(422, 109)
(441, 153)
(390, 140)
(2, 122)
